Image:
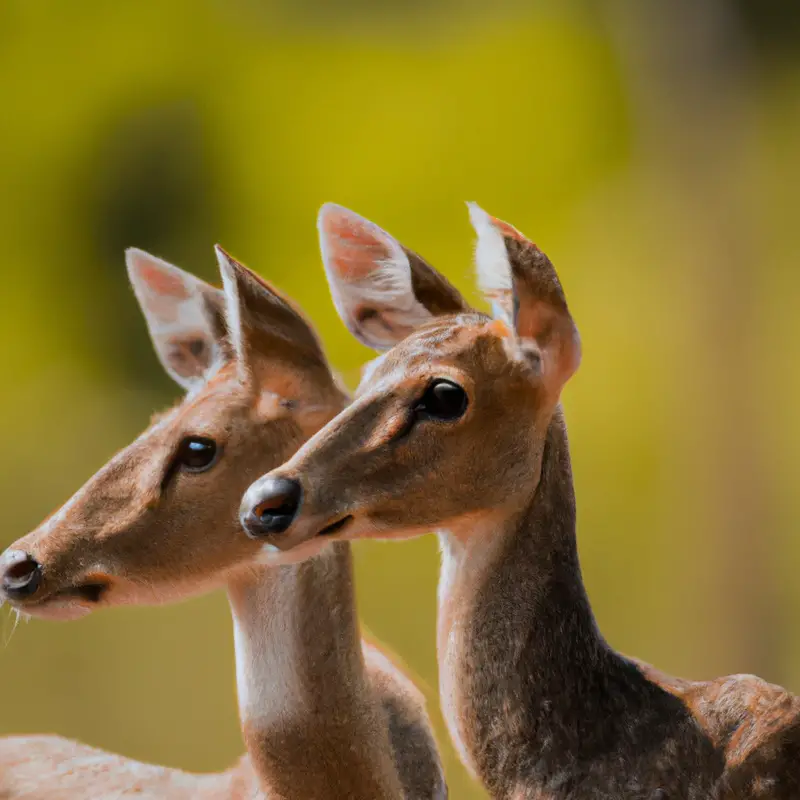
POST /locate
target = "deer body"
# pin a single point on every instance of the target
(458, 428)
(53, 768)
(296, 682)
(314, 719)
(537, 698)
(324, 715)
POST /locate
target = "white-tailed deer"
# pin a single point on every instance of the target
(458, 429)
(324, 715)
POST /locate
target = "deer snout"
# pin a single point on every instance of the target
(20, 574)
(270, 506)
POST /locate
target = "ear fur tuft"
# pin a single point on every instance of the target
(491, 261)
(525, 291)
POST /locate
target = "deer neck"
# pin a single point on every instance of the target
(532, 693)
(310, 724)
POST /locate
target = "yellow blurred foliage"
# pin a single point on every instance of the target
(174, 125)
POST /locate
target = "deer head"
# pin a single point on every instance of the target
(460, 401)
(160, 521)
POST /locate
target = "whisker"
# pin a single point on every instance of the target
(7, 636)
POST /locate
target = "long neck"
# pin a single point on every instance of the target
(532, 693)
(310, 724)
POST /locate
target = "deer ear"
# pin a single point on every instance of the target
(382, 290)
(265, 327)
(183, 314)
(523, 287)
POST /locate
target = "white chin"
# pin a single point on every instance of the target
(271, 556)
(367, 528)
(59, 610)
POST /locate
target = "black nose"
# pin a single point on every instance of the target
(270, 506)
(20, 574)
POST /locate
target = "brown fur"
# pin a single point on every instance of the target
(149, 533)
(538, 703)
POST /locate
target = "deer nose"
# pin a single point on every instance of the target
(270, 506)
(20, 574)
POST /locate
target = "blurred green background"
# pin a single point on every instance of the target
(651, 148)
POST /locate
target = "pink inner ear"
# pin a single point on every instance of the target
(162, 282)
(354, 246)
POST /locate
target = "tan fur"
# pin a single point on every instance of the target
(536, 701)
(317, 720)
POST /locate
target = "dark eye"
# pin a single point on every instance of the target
(196, 454)
(443, 400)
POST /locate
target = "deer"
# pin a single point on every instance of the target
(324, 714)
(457, 427)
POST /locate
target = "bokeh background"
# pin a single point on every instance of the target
(651, 148)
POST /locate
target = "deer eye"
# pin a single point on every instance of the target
(443, 400)
(197, 454)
